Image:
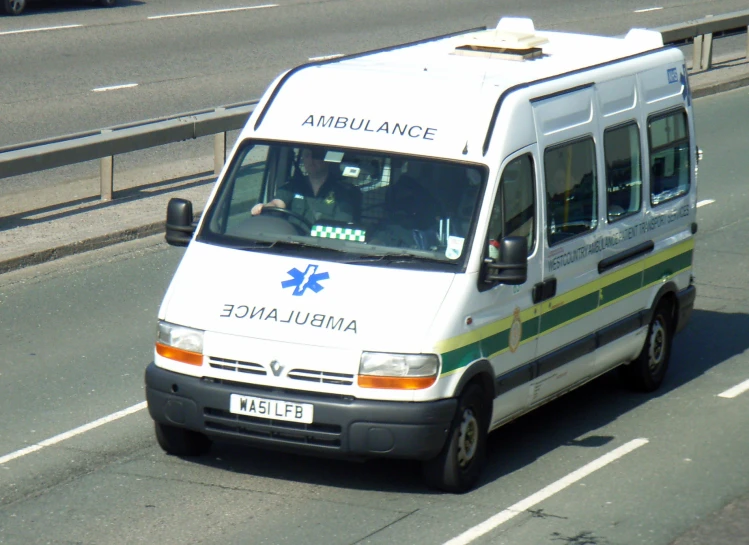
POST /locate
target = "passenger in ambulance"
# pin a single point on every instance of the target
(320, 196)
(465, 197)
(412, 213)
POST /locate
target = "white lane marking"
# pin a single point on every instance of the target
(326, 57)
(645, 10)
(211, 12)
(72, 433)
(705, 202)
(115, 87)
(523, 505)
(43, 29)
(736, 390)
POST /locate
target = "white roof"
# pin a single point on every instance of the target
(430, 89)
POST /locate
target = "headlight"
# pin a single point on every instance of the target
(179, 343)
(398, 371)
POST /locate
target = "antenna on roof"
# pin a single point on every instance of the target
(514, 38)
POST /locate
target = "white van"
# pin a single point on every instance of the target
(410, 247)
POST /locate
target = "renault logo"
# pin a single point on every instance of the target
(276, 367)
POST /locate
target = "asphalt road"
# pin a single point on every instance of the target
(58, 60)
(78, 332)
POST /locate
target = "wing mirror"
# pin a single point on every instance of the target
(179, 226)
(511, 267)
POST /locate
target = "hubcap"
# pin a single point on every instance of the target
(468, 438)
(657, 345)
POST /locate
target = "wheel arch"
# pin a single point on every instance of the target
(667, 293)
(480, 372)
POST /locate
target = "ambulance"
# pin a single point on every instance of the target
(410, 247)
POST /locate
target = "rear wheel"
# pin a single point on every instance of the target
(181, 442)
(459, 465)
(647, 372)
(14, 7)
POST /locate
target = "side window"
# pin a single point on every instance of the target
(668, 138)
(513, 212)
(623, 177)
(571, 195)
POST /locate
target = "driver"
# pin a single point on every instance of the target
(318, 196)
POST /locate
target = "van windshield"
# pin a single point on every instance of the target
(351, 205)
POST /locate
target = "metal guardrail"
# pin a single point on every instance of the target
(105, 144)
(701, 31)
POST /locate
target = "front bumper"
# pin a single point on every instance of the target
(342, 425)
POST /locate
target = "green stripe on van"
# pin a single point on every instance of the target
(571, 310)
(460, 357)
(668, 267)
(621, 288)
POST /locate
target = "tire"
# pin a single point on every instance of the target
(457, 468)
(14, 7)
(647, 372)
(108, 3)
(181, 442)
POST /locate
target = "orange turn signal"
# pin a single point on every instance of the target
(395, 383)
(177, 354)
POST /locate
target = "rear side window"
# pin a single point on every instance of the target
(571, 196)
(668, 138)
(623, 177)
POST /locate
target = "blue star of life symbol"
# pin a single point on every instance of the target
(302, 281)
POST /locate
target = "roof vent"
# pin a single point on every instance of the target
(514, 38)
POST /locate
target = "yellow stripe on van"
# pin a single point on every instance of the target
(493, 339)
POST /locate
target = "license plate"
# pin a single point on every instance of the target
(271, 408)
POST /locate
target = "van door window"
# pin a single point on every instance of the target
(571, 195)
(668, 137)
(623, 177)
(513, 211)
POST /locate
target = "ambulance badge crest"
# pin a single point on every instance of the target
(516, 330)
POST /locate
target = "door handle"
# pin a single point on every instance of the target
(544, 290)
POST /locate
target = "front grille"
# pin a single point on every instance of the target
(237, 366)
(307, 375)
(260, 389)
(319, 435)
(322, 377)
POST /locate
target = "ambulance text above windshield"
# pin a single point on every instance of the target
(369, 125)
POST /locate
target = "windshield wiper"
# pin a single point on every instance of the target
(397, 258)
(267, 245)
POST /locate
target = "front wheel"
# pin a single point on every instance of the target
(14, 7)
(459, 465)
(647, 372)
(181, 442)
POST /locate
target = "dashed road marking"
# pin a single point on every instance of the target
(43, 29)
(72, 433)
(705, 202)
(210, 12)
(523, 505)
(115, 87)
(736, 390)
(645, 10)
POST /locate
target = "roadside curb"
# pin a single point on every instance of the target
(86, 245)
(720, 87)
